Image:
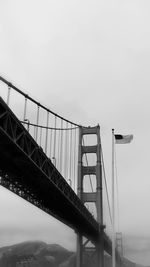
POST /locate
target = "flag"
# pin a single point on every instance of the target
(123, 139)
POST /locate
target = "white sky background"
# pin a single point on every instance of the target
(88, 61)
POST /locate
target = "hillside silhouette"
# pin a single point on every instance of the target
(40, 254)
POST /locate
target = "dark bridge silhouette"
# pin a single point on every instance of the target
(27, 170)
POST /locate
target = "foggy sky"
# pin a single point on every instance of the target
(88, 61)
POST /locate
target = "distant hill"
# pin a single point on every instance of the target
(36, 254)
(40, 254)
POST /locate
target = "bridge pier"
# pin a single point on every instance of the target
(95, 250)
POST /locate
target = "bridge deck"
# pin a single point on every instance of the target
(28, 172)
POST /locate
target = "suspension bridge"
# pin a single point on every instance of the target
(53, 163)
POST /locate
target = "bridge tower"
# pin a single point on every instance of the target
(85, 246)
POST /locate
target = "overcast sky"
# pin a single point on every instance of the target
(88, 61)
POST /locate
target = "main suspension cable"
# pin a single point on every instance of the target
(10, 85)
(50, 128)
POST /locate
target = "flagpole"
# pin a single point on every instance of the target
(113, 204)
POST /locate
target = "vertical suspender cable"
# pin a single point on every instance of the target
(66, 152)
(25, 109)
(8, 95)
(58, 149)
(40, 136)
(61, 146)
(37, 123)
(34, 127)
(50, 143)
(113, 205)
(74, 160)
(67, 158)
(70, 160)
(46, 137)
(54, 147)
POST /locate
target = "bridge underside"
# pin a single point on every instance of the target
(28, 172)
